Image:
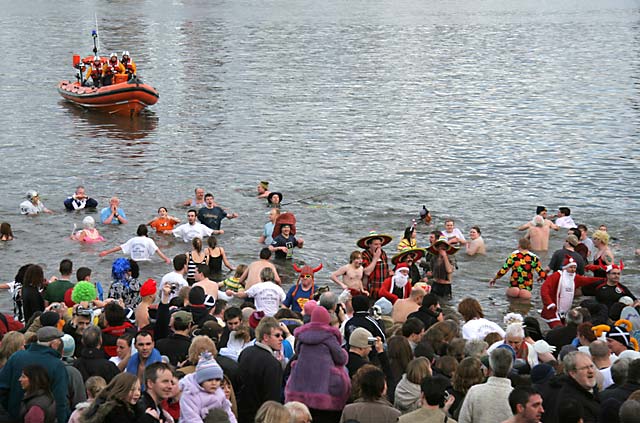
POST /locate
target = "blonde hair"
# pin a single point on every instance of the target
(11, 342)
(200, 344)
(601, 236)
(273, 412)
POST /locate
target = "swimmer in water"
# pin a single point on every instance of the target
(198, 201)
(263, 189)
(164, 223)
(89, 234)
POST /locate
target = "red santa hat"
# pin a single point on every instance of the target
(615, 266)
(402, 265)
(568, 261)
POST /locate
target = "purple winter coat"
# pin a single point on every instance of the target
(318, 377)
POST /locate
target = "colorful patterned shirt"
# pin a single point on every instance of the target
(380, 272)
(522, 265)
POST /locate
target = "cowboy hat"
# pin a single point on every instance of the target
(433, 248)
(284, 219)
(403, 255)
(364, 242)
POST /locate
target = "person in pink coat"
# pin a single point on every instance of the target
(318, 377)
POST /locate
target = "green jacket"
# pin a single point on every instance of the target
(11, 393)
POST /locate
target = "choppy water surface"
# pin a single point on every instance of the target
(360, 112)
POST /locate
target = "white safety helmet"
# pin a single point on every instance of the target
(96, 59)
(31, 194)
(113, 55)
(88, 222)
(125, 53)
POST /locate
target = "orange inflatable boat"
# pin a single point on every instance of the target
(124, 97)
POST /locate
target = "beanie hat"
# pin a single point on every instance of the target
(148, 288)
(320, 315)
(360, 303)
(209, 301)
(542, 373)
(618, 333)
(130, 315)
(309, 306)
(83, 291)
(402, 265)
(568, 261)
(68, 345)
(49, 318)
(207, 368)
(255, 318)
(196, 296)
(385, 306)
(360, 338)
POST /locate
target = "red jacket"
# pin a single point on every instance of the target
(385, 290)
(549, 294)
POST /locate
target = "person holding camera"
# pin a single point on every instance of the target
(436, 402)
(361, 344)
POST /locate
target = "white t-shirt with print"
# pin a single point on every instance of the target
(268, 296)
(141, 248)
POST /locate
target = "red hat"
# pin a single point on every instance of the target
(615, 266)
(148, 288)
(568, 261)
(284, 219)
(402, 265)
(255, 318)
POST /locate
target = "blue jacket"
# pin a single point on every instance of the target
(11, 393)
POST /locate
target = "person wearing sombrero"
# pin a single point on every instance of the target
(442, 269)
(284, 239)
(410, 256)
(375, 262)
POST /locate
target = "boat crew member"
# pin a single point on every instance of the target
(95, 72)
(128, 63)
(113, 67)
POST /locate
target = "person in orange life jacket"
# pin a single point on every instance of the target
(128, 63)
(95, 71)
(112, 67)
(397, 286)
(558, 289)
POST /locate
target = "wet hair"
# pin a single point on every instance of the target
(38, 379)
(265, 254)
(82, 273)
(354, 255)
(565, 210)
(179, 262)
(162, 207)
(408, 232)
(5, 230)
(470, 308)
(520, 396)
(212, 242)
(468, 373)
(192, 211)
(34, 276)
(66, 267)
(142, 230)
(477, 228)
(196, 243)
(418, 369)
